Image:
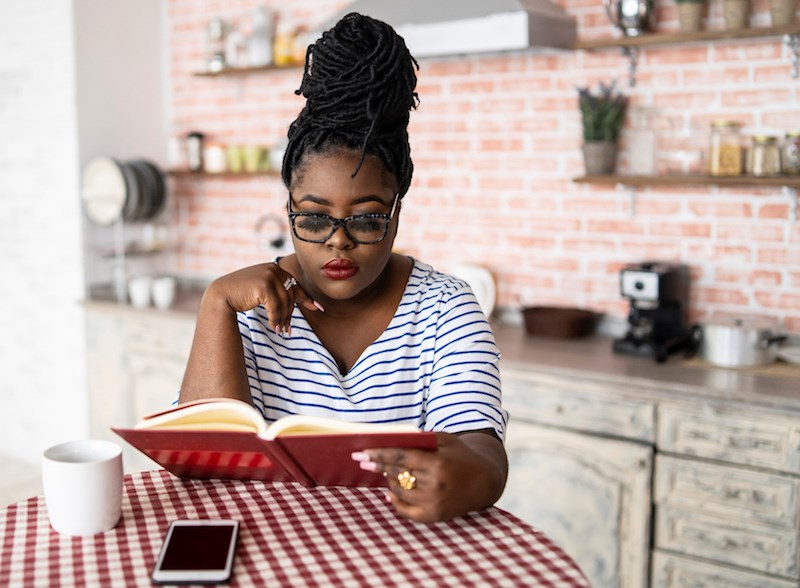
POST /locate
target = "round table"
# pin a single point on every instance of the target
(290, 536)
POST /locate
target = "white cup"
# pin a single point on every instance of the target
(82, 483)
(163, 290)
(139, 291)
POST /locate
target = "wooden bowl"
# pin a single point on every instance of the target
(561, 322)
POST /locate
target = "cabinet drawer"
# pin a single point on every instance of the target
(672, 571)
(159, 336)
(726, 491)
(582, 406)
(766, 549)
(765, 440)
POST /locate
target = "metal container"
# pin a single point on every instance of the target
(633, 17)
(740, 341)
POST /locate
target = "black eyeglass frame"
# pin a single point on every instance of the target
(342, 222)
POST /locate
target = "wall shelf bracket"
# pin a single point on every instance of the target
(632, 53)
(792, 42)
(791, 193)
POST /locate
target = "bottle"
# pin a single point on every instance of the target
(725, 153)
(194, 151)
(215, 45)
(283, 49)
(259, 44)
(764, 158)
(790, 154)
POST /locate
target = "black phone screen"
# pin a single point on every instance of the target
(198, 547)
(197, 551)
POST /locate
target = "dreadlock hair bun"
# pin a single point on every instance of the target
(359, 81)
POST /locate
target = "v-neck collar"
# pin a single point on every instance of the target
(297, 314)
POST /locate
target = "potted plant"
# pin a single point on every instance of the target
(602, 116)
(690, 14)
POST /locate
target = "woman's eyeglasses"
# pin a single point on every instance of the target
(364, 229)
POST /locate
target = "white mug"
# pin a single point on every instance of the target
(139, 291)
(163, 290)
(82, 483)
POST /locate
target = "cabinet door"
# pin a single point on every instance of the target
(591, 495)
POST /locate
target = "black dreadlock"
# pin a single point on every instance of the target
(359, 83)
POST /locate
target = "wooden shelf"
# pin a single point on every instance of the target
(237, 71)
(656, 39)
(691, 180)
(182, 173)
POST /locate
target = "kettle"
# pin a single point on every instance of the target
(633, 17)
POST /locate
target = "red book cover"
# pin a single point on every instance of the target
(228, 439)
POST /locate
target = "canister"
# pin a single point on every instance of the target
(725, 153)
(764, 157)
(790, 156)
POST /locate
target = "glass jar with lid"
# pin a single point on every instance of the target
(790, 155)
(725, 152)
(764, 158)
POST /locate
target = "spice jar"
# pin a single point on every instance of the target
(725, 157)
(765, 157)
(790, 156)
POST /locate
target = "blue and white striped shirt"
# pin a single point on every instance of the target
(435, 365)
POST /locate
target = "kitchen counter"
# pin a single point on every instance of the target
(587, 358)
(593, 358)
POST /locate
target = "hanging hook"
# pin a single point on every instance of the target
(632, 53)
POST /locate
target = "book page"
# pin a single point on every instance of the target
(207, 415)
(294, 425)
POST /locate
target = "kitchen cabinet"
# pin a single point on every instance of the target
(136, 360)
(725, 502)
(580, 465)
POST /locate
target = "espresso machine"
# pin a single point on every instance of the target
(659, 301)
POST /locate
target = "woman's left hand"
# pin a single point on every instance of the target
(467, 472)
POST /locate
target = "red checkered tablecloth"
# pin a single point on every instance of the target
(290, 536)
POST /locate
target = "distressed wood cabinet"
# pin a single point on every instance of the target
(725, 503)
(136, 360)
(580, 466)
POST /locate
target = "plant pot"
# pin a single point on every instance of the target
(690, 16)
(600, 157)
(782, 12)
(736, 14)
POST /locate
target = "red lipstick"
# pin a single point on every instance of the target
(339, 269)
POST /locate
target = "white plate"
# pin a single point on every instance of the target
(482, 283)
(103, 190)
(790, 353)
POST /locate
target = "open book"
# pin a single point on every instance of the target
(229, 439)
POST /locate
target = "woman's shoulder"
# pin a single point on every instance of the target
(425, 278)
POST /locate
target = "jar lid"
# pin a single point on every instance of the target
(764, 139)
(725, 123)
(793, 133)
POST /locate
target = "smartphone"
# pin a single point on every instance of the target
(197, 551)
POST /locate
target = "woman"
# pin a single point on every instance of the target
(344, 327)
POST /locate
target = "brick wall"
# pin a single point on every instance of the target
(496, 141)
(42, 369)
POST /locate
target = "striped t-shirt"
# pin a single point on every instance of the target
(435, 365)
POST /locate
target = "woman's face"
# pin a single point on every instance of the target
(340, 268)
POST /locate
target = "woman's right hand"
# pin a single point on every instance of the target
(263, 284)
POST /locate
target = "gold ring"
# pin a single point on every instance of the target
(407, 480)
(289, 283)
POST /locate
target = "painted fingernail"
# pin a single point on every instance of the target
(318, 305)
(389, 497)
(359, 456)
(370, 466)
